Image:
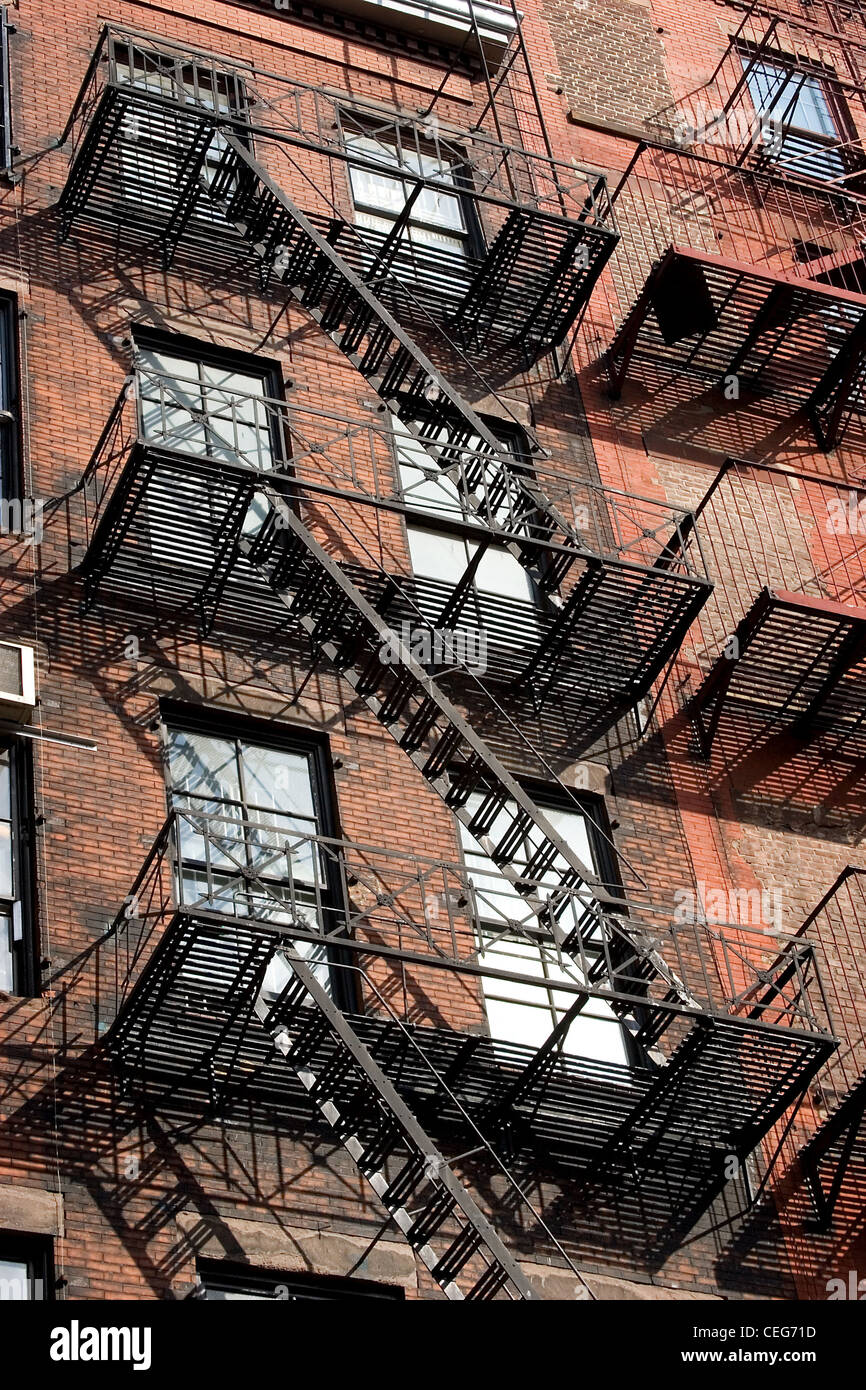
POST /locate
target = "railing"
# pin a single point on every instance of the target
(667, 198)
(417, 914)
(766, 526)
(838, 926)
(331, 457)
(752, 108)
(494, 169)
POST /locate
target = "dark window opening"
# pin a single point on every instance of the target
(10, 467)
(18, 954)
(237, 1283)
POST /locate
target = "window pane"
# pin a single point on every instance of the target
(7, 959)
(278, 779)
(204, 764)
(7, 875)
(15, 1281)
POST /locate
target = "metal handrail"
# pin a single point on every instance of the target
(425, 912)
(328, 454)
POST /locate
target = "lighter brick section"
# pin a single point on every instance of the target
(557, 1285)
(297, 1250)
(31, 1210)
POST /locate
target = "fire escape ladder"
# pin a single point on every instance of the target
(454, 761)
(840, 1137)
(358, 323)
(401, 1163)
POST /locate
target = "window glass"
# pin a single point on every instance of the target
(437, 218)
(520, 1011)
(798, 101)
(153, 139)
(24, 1270)
(16, 940)
(251, 807)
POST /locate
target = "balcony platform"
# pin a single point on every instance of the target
(711, 320)
(187, 1039)
(140, 167)
(166, 544)
(801, 666)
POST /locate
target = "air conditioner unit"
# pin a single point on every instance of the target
(17, 683)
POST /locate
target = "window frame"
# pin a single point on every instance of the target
(549, 796)
(212, 355)
(472, 237)
(123, 49)
(37, 1252)
(24, 952)
(230, 1277)
(219, 723)
(6, 146)
(11, 478)
(826, 80)
(516, 443)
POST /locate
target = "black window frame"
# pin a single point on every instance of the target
(7, 149)
(553, 796)
(24, 951)
(475, 243)
(11, 478)
(228, 1277)
(219, 723)
(214, 355)
(37, 1252)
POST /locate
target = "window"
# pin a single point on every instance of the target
(256, 804)
(811, 115)
(17, 945)
(211, 406)
(237, 1283)
(10, 473)
(442, 556)
(439, 224)
(155, 139)
(26, 1273)
(5, 90)
(527, 1013)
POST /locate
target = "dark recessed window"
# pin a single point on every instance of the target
(10, 471)
(5, 91)
(18, 973)
(26, 1269)
(235, 1283)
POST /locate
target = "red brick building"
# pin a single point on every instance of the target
(433, 607)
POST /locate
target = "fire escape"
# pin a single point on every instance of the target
(832, 1156)
(729, 1036)
(745, 261)
(786, 629)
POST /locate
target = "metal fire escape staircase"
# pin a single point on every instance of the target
(354, 634)
(411, 387)
(413, 1181)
